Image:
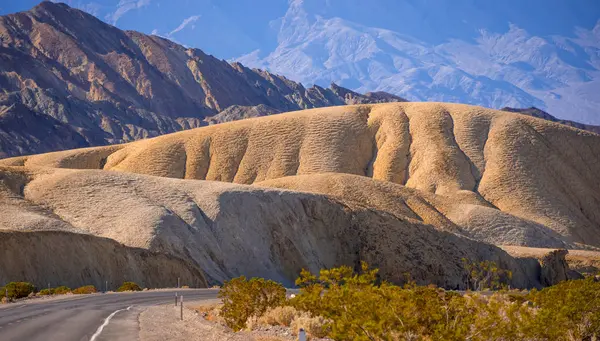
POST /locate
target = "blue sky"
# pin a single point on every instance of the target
(230, 28)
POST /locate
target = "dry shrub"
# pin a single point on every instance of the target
(279, 316)
(314, 326)
(88, 289)
(62, 290)
(129, 286)
(210, 312)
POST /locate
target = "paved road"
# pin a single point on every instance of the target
(78, 318)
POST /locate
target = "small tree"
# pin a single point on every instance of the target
(485, 275)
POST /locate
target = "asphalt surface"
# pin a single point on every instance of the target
(84, 318)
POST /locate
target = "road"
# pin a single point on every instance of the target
(95, 317)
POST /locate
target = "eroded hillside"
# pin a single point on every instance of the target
(408, 187)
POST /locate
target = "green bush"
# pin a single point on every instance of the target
(243, 299)
(88, 289)
(129, 286)
(17, 290)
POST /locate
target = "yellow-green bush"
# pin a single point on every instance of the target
(88, 289)
(55, 291)
(344, 305)
(129, 286)
(15, 290)
(46, 292)
(62, 290)
(569, 310)
(243, 299)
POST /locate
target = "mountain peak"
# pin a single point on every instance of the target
(94, 84)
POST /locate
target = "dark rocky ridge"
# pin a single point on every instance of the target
(535, 112)
(70, 80)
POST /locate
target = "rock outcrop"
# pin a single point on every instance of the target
(535, 112)
(554, 267)
(69, 80)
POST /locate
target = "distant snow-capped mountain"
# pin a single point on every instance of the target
(512, 69)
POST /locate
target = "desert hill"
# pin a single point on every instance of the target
(76, 81)
(491, 165)
(409, 187)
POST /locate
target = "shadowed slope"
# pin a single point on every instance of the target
(229, 230)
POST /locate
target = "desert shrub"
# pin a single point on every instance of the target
(129, 286)
(344, 305)
(279, 316)
(485, 275)
(243, 299)
(210, 312)
(55, 291)
(62, 290)
(17, 290)
(88, 289)
(353, 306)
(315, 326)
(569, 310)
(46, 292)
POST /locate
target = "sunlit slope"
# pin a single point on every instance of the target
(513, 166)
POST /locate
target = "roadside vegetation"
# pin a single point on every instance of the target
(129, 286)
(85, 290)
(62, 290)
(16, 290)
(344, 305)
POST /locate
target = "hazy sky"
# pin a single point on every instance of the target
(230, 28)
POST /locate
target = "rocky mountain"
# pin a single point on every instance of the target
(343, 42)
(535, 112)
(408, 187)
(70, 80)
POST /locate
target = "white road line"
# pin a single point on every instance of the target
(106, 320)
